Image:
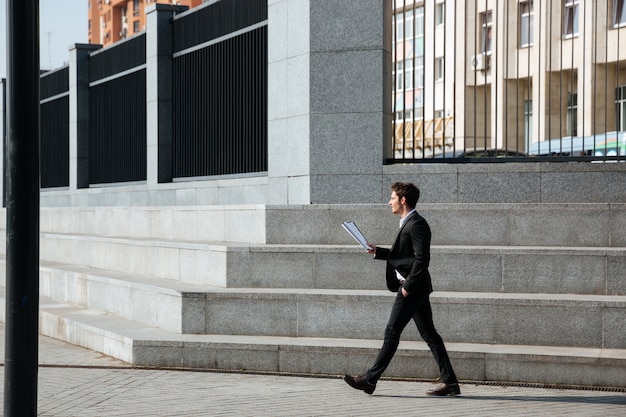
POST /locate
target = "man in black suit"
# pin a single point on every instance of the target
(407, 273)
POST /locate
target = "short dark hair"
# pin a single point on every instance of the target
(408, 191)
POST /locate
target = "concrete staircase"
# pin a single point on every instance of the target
(524, 292)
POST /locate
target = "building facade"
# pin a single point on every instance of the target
(537, 77)
(113, 20)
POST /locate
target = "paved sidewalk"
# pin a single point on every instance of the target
(79, 382)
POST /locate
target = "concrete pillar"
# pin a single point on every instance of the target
(159, 91)
(329, 100)
(79, 114)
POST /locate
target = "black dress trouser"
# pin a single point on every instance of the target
(404, 309)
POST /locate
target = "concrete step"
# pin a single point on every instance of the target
(143, 345)
(466, 317)
(228, 223)
(499, 224)
(531, 269)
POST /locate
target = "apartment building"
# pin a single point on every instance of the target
(513, 74)
(113, 20)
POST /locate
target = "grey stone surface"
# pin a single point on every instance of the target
(601, 187)
(203, 266)
(462, 322)
(277, 95)
(346, 189)
(560, 225)
(277, 33)
(468, 224)
(67, 387)
(298, 225)
(617, 225)
(505, 369)
(262, 315)
(235, 357)
(79, 116)
(478, 362)
(193, 313)
(466, 270)
(347, 82)
(337, 135)
(297, 102)
(290, 161)
(346, 68)
(548, 325)
(298, 27)
(541, 182)
(613, 327)
(284, 269)
(616, 275)
(344, 316)
(487, 187)
(363, 271)
(298, 189)
(436, 185)
(341, 25)
(555, 273)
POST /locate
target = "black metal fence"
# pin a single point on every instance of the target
(55, 133)
(516, 79)
(220, 90)
(117, 113)
(475, 80)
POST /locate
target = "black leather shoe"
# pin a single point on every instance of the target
(444, 390)
(359, 382)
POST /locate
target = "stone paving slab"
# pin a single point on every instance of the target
(133, 392)
(79, 382)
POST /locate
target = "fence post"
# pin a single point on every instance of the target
(79, 114)
(159, 91)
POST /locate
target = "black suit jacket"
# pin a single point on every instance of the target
(409, 255)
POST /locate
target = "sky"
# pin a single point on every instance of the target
(61, 23)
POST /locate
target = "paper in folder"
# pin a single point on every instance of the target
(354, 231)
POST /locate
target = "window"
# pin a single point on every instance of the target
(528, 122)
(419, 72)
(526, 23)
(408, 74)
(404, 25)
(399, 74)
(570, 21)
(572, 114)
(408, 56)
(620, 108)
(486, 22)
(619, 12)
(404, 115)
(440, 13)
(136, 26)
(439, 69)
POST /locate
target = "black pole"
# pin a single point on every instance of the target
(22, 197)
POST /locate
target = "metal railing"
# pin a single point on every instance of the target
(220, 90)
(55, 134)
(514, 80)
(117, 113)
